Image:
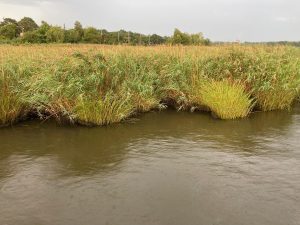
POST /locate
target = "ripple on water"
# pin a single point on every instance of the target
(166, 168)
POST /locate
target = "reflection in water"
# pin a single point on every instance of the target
(165, 168)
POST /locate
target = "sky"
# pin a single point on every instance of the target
(219, 20)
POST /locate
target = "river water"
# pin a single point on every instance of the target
(165, 168)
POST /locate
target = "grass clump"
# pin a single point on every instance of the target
(11, 105)
(11, 108)
(102, 111)
(276, 99)
(226, 100)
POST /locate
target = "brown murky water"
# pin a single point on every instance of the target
(166, 168)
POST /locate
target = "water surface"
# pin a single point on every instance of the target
(165, 168)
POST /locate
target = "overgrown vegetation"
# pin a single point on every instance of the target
(99, 84)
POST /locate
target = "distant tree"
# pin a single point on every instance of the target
(27, 24)
(105, 37)
(206, 41)
(33, 37)
(196, 39)
(32, 33)
(42, 31)
(44, 27)
(157, 40)
(135, 38)
(180, 38)
(110, 38)
(71, 36)
(79, 30)
(120, 36)
(8, 21)
(91, 35)
(9, 31)
(145, 39)
(55, 34)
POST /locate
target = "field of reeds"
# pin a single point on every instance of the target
(100, 85)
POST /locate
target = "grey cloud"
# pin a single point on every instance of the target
(25, 2)
(247, 20)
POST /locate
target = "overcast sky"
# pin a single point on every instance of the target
(224, 20)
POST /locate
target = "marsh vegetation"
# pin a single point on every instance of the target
(99, 84)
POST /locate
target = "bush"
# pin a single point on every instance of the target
(55, 34)
(91, 35)
(32, 37)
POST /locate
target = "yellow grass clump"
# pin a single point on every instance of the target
(225, 99)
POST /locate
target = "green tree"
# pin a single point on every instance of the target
(206, 41)
(10, 21)
(33, 37)
(42, 31)
(197, 39)
(9, 31)
(27, 24)
(32, 33)
(180, 38)
(44, 27)
(7, 21)
(157, 40)
(91, 35)
(71, 36)
(55, 34)
(110, 38)
(79, 30)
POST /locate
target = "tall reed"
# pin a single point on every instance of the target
(99, 85)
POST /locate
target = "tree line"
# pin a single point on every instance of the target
(27, 30)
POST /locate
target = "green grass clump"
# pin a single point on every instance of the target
(275, 99)
(11, 105)
(226, 100)
(11, 108)
(102, 111)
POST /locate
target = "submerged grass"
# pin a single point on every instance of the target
(99, 85)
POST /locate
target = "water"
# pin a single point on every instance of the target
(165, 168)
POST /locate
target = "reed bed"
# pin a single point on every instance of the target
(100, 85)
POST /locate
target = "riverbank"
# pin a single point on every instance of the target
(100, 85)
